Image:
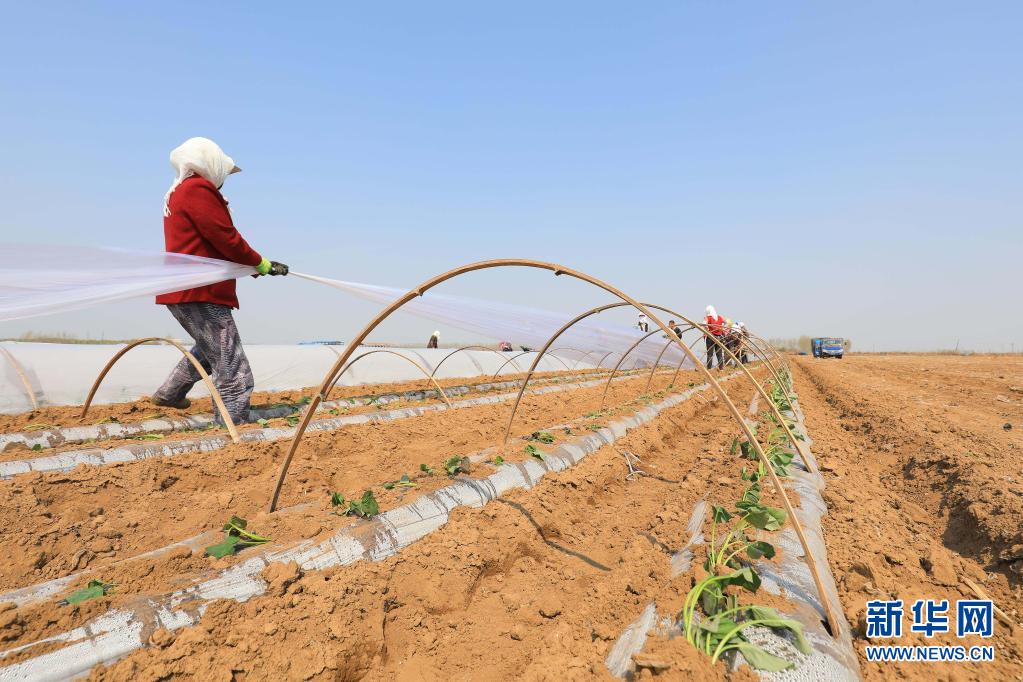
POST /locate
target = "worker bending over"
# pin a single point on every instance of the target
(197, 222)
(744, 344)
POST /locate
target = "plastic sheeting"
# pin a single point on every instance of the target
(61, 374)
(526, 326)
(42, 280)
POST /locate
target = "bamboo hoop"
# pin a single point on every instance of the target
(214, 393)
(621, 360)
(459, 350)
(21, 375)
(626, 299)
(668, 345)
(601, 361)
(527, 352)
(422, 369)
(584, 354)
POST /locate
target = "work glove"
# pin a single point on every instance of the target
(271, 267)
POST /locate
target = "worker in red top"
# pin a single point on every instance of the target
(716, 326)
(196, 221)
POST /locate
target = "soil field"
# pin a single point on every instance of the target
(923, 488)
(925, 491)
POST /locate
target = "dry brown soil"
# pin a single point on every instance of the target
(923, 486)
(925, 490)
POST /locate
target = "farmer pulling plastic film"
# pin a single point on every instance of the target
(197, 221)
(434, 340)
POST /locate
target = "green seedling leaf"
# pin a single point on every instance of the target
(543, 436)
(37, 447)
(235, 523)
(262, 422)
(225, 547)
(760, 659)
(499, 460)
(148, 436)
(532, 451)
(776, 621)
(567, 430)
(718, 625)
(760, 549)
(746, 578)
(95, 588)
(389, 485)
(594, 427)
(735, 446)
(366, 507)
(108, 420)
(293, 420)
(236, 526)
(40, 427)
(426, 469)
(720, 514)
(337, 500)
(453, 465)
(406, 482)
(766, 518)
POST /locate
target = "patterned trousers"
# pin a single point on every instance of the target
(713, 350)
(218, 348)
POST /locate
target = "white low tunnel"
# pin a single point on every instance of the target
(61, 374)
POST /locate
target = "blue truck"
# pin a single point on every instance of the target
(828, 347)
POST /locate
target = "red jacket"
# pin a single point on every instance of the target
(716, 325)
(199, 224)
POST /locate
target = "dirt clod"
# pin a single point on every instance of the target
(938, 563)
(654, 663)
(162, 638)
(280, 576)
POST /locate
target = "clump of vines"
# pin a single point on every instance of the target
(713, 617)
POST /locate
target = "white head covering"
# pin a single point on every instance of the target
(711, 311)
(437, 334)
(198, 156)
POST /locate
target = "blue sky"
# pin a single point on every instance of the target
(809, 168)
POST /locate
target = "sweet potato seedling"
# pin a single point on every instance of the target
(93, 590)
(236, 537)
(41, 427)
(722, 621)
(455, 465)
(532, 451)
(542, 437)
(366, 507)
